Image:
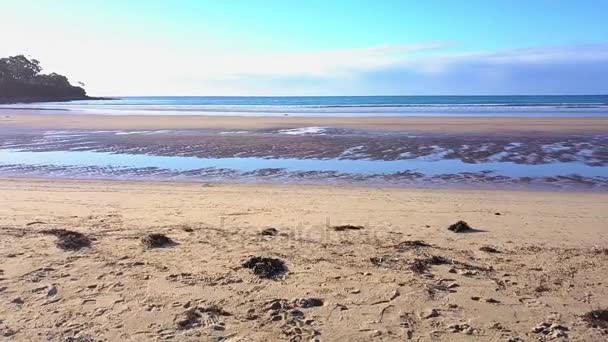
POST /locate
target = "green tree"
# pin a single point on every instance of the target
(21, 80)
(19, 67)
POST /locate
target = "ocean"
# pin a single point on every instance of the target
(347, 106)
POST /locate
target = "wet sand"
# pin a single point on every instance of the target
(547, 265)
(56, 120)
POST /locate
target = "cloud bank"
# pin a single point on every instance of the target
(416, 69)
(405, 69)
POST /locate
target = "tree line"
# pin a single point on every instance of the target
(21, 81)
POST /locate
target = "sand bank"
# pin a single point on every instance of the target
(52, 120)
(373, 283)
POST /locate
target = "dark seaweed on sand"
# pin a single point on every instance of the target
(414, 243)
(156, 240)
(422, 265)
(270, 268)
(419, 266)
(346, 227)
(67, 239)
(489, 249)
(597, 318)
(411, 244)
(269, 232)
(460, 227)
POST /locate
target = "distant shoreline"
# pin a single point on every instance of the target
(17, 100)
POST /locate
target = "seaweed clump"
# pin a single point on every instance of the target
(420, 266)
(597, 318)
(68, 239)
(269, 268)
(156, 240)
(344, 227)
(269, 232)
(489, 249)
(460, 227)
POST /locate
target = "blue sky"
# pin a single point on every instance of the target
(315, 47)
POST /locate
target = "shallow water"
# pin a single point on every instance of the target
(513, 106)
(364, 167)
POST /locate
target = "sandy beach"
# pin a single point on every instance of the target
(189, 171)
(401, 275)
(494, 125)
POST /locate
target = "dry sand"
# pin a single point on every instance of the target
(52, 120)
(552, 265)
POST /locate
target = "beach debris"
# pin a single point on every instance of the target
(5, 331)
(419, 266)
(18, 300)
(489, 249)
(345, 227)
(422, 265)
(460, 227)
(294, 322)
(269, 268)
(438, 260)
(430, 313)
(492, 301)
(515, 339)
(308, 302)
(52, 291)
(156, 240)
(34, 222)
(461, 327)
(467, 273)
(376, 261)
(597, 318)
(497, 214)
(269, 232)
(411, 244)
(188, 319)
(201, 316)
(414, 243)
(67, 239)
(213, 310)
(597, 250)
(551, 330)
(188, 229)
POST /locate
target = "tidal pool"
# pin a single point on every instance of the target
(367, 167)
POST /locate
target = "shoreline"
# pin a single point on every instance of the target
(28, 100)
(439, 188)
(406, 152)
(498, 125)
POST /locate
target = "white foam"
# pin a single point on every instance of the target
(141, 132)
(555, 147)
(234, 132)
(351, 152)
(303, 130)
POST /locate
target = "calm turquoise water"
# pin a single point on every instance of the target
(525, 106)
